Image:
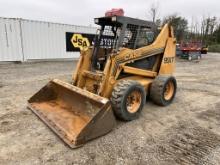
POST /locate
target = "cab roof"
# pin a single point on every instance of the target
(120, 20)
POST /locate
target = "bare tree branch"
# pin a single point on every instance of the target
(154, 11)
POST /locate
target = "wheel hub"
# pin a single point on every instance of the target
(169, 91)
(133, 101)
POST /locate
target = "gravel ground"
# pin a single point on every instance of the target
(186, 132)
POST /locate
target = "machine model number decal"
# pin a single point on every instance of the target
(168, 60)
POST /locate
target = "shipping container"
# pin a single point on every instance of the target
(23, 40)
(10, 40)
(44, 40)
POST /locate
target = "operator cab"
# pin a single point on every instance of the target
(119, 31)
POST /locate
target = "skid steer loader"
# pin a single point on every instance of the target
(129, 60)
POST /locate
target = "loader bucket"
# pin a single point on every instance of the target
(74, 114)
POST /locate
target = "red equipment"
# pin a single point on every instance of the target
(191, 50)
(114, 12)
(191, 46)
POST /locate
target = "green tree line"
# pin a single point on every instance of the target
(205, 30)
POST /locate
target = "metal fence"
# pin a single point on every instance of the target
(23, 40)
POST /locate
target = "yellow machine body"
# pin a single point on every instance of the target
(82, 111)
(102, 83)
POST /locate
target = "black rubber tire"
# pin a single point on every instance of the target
(119, 96)
(158, 87)
(204, 52)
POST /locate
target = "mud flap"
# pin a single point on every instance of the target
(74, 114)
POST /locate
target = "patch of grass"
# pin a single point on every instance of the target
(214, 48)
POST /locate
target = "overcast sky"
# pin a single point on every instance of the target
(82, 12)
